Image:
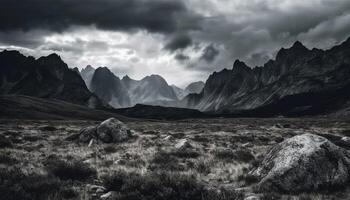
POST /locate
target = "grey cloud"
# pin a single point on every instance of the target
(179, 42)
(181, 57)
(210, 53)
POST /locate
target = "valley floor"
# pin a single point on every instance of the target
(218, 157)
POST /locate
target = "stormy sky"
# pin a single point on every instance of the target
(182, 40)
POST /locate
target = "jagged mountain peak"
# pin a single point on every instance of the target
(298, 45)
(296, 51)
(88, 68)
(240, 66)
(126, 78)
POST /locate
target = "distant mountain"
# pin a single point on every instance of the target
(180, 93)
(297, 74)
(195, 87)
(87, 73)
(47, 77)
(126, 92)
(109, 88)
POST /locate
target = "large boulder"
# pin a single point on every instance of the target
(109, 131)
(303, 163)
(113, 130)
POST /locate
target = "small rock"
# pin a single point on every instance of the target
(252, 197)
(108, 195)
(95, 188)
(183, 144)
(168, 138)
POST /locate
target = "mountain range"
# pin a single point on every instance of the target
(299, 81)
(296, 79)
(127, 92)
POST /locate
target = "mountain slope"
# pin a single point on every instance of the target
(87, 73)
(295, 71)
(26, 107)
(46, 77)
(195, 87)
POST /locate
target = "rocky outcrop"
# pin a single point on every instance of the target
(109, 131)
(303, 163)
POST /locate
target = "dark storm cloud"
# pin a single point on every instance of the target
(57, 15)
(179, 42)
(209, 53)
(181, 57)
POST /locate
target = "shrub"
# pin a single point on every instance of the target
(165, 161)
(202, 167)
(185, 153)
(14, 185)
(7, 159)
(248, 179)
(48, 128)
(5, 142)
(162, 186)
(240, 155)
(110, 149)
(73, 169)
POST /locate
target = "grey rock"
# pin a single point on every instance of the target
(109, 195)
(183, 144)
(113, 130)
(303, 163)
(86, 134)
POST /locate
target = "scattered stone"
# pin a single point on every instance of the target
(248, 144)
(252, 197)
(303, 163)
(168, 138)
(108, 195)
(183, 144)
(95, 188)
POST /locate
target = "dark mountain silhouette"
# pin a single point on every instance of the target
(47, 77)
(296, 75)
